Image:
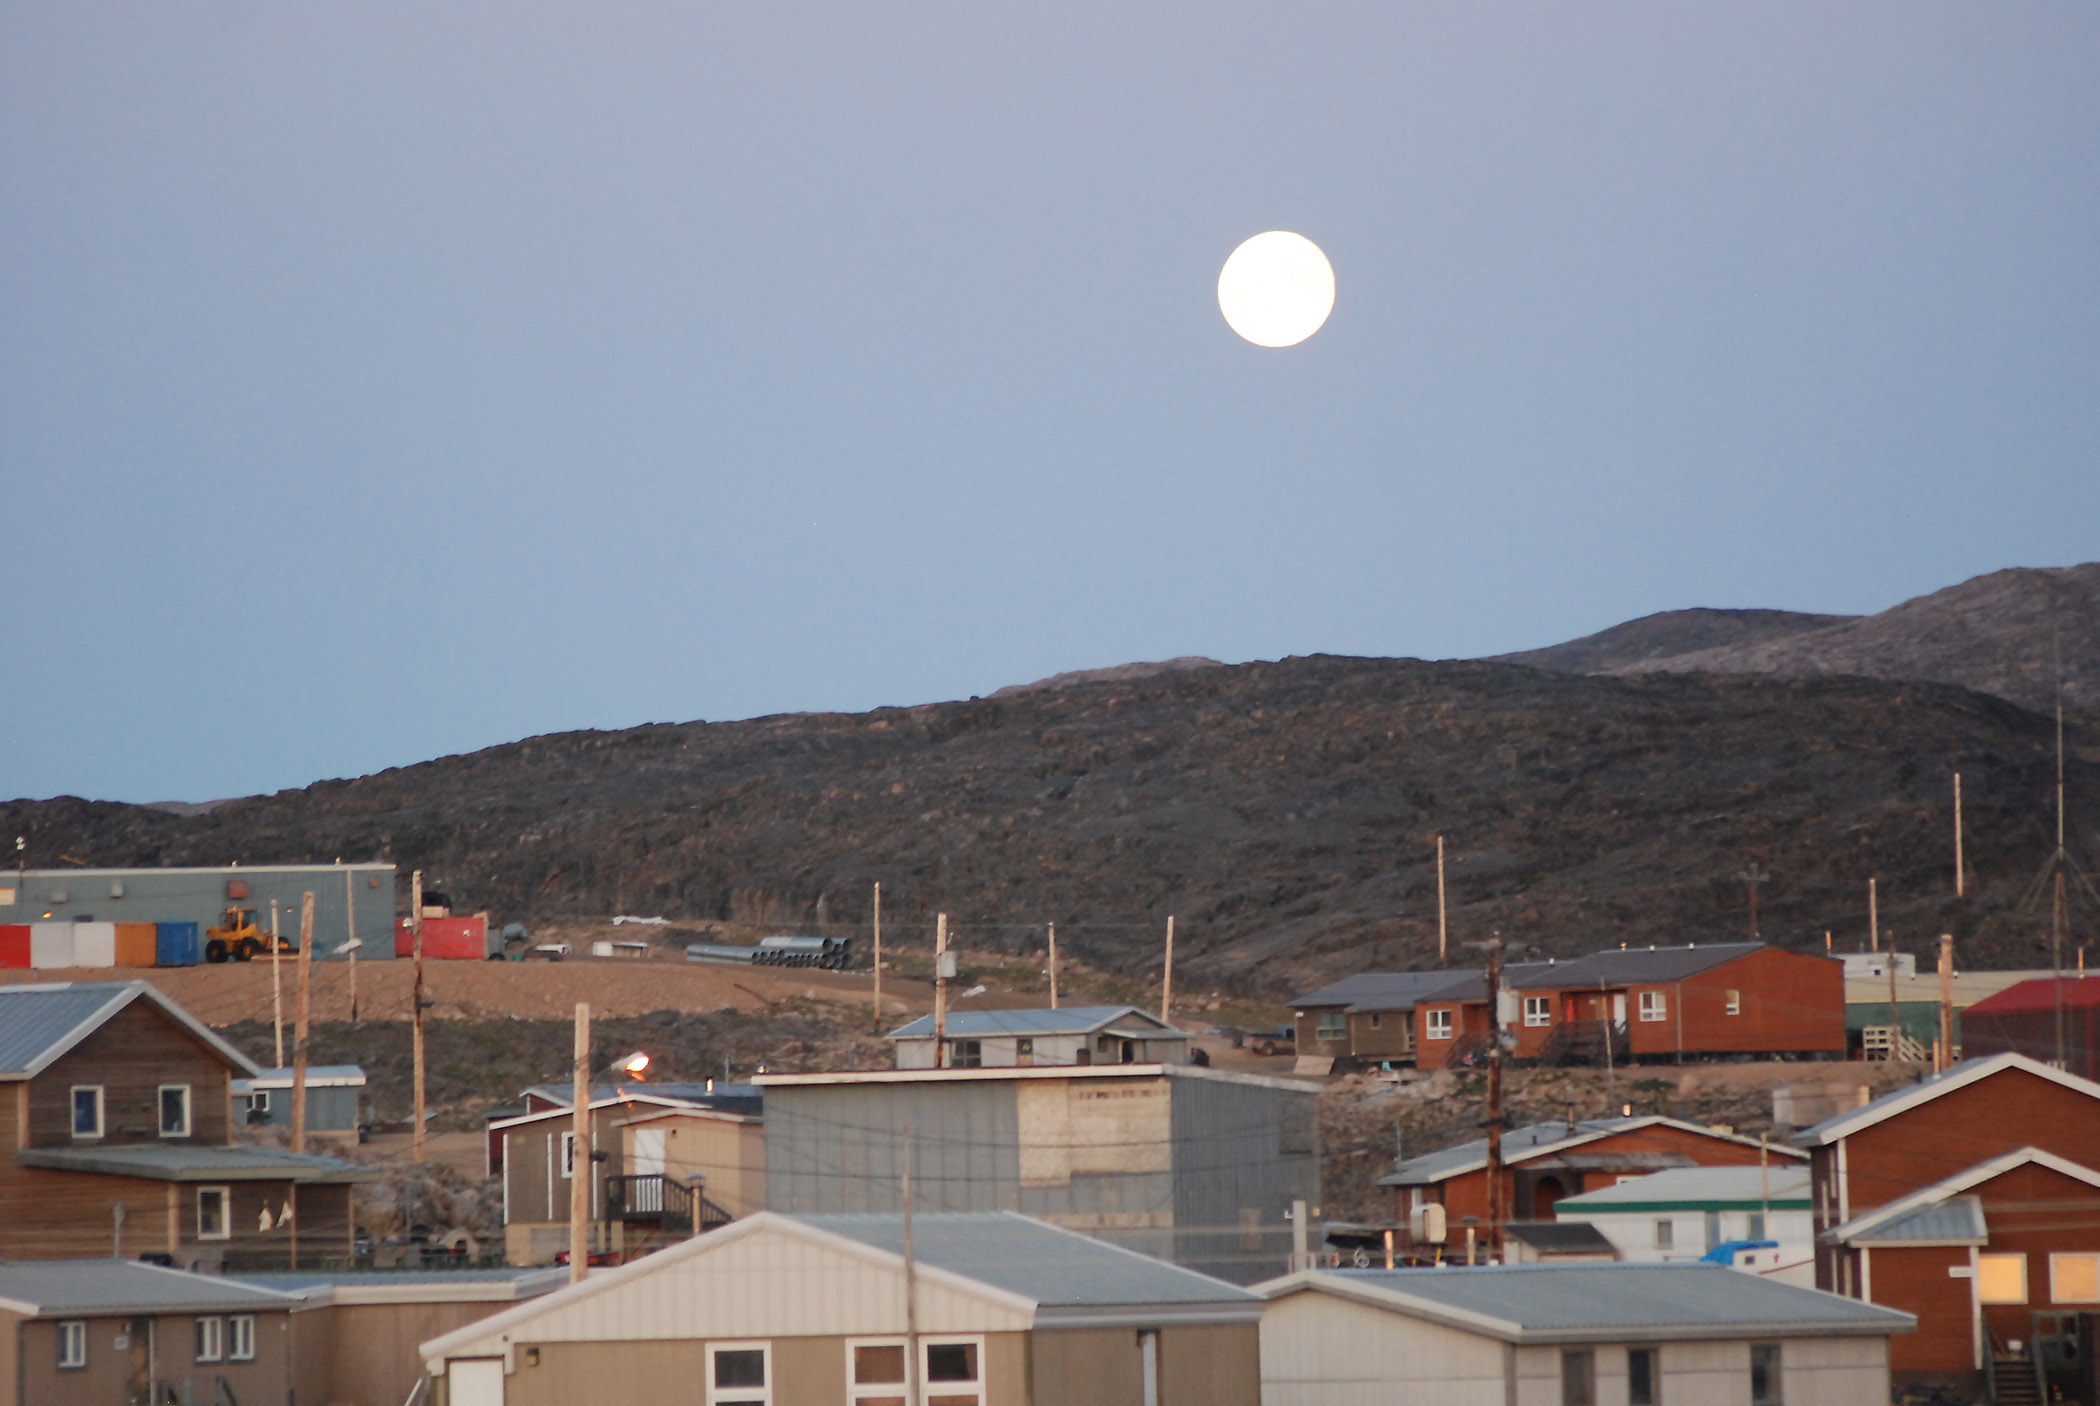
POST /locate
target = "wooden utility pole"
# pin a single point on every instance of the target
(940, 991)
(1443, 933)
(1946, 999)
(1895, 1016)
(350, 936)
(276, 989)
(1958, 873)
(1873, 917)
(2062, 862)
(580, 1166)
(1495, 1210)
(415, 926)
(911, 1279)
(1166, 977)
(878, 956)
(1053, 966)
(306, 990)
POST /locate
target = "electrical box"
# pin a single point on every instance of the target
(1426, 1225)
(236, 888)
(948, 967)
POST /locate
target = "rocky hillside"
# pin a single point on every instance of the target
(1285, 812)
(2003, 634)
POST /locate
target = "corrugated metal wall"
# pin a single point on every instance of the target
(1241, 1153)
(93, 899)
(841, 1147)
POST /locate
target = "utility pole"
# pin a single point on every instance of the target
(306, 988)
(1764, 1186)
(940, 991)
(580, 1165)
(878, 956)
(276, 989)
(1166, 979)
(1443, 933)
(1495, 1207)
(911, 1281)
(415, 926)
(350, 936)
(1895, 1016)
(1946, 999)
(1053, 966)
(1753, 876)
(1958, 873)
(2056, 924)
(1873, 917)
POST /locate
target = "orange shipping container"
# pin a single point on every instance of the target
(136, 943)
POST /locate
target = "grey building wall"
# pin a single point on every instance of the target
(1241, 1154)
(199, 896)
(328, 1110)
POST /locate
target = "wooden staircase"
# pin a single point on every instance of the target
(1586, 1042)
(2014, 1381)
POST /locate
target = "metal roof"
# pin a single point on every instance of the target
(1383, 991)
(1958, 1219)
(39, 1023)
(318, 1076)
(1784, 1187)
(1539, 1139)
(190, 1162)
(2028, 997)
(1947, 1188)
(352, 1286)
(725, 1098)
(49, 1288)
(1632, 966)
(1067, 1020)
(1969, 1071)
(1057, 1268)
(1590, 1302)
(1575, 1237)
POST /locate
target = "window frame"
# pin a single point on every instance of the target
(966, 1054)
(565, 1159)
(101, 1110)
(210, 1338)
(858, 1391)
(1775, 1374)
(225, 1195)
(1437, 1024)
(1538, 1011)
(1734, 1003)
(1655, 1006)
(2056, 1293)
(949, 1390)
(1665, 1233)
(1331, 1025)
(72, 1344)
(1578, 1376)
(1652, 1357)
(1984, 1261)
(717, 1395)
(160, 1109)
(240, 1337)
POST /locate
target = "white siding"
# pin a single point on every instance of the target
(1318, 1350)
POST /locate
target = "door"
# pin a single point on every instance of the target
(474, 1381)
(1618, 1008)
(648, 1152)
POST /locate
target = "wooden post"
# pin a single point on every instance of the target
(1166, 977)
(415, 926)
(350, 935)
(911, 1281)
(1495, 1211)
(580, 1167)
(1053, 966)
(306, 990)
(878, 956)
(1443, 934)
(276, 989)
(940, 991)
(1895, 1016)
(1764, 1186)
(1946, 999)
(1873, 916)
(1958, 876)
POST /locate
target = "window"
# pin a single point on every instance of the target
(87, 1110)
(1766, 1388)
(211, 1346)
(72, 1344)
(1024, 1047)
(1377, 1019)
(2074, 1278)
(1735, 1003)
(1655, 1005)
(1332, 1025)
(2001, 1278)
(1666, 1235)
(1578, 1378)
(954, 1375)
(1440, 1025)
(740, 1374)
(967, 1054)
(1713, 1229)
(875, 1373)
(240, 1338)
(1754, 1226)
(1538, 1010)
(568, 1155)
(174, 1110)
(1641, 1377)
(212, 1220)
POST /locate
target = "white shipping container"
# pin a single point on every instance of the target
(50, 945)
(94, 944)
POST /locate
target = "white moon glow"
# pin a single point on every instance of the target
(1276, 289)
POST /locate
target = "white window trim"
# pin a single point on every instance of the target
(1735, 1003)
(1665, 1233)
(928, 1388)
(101, 1110)
(225, 1230)
(240, 1338)
(159, 1116)
(1538, 1011)
(565, 1156)
(739, 1393)
(862, 1391)
(2026, 1292)
(72, 1344)
(2056, 1295)
(211, 1339)
(1655, 1005)
(1437, 1025)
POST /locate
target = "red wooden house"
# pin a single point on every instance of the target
(1973, 1201)
(2023, 1019)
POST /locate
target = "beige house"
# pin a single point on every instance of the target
(811, 1311)
(1569, 1335)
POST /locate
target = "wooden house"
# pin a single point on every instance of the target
(1371, 1017)
(123, 1140)
(2023, 1019)
(812, 1311)
(1972, 1200)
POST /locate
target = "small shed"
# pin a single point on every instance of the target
(1023, 1038)
(1689, 1212)
(333, 1095)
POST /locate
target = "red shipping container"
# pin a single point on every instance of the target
(14, 944)
(445, 939)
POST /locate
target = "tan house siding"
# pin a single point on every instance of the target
(807, 1371)
(1211, 1365)
(109, 1373)
(133, 1053)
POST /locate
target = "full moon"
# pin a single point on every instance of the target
(1276, 289)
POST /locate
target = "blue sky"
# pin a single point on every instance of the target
(383, 382)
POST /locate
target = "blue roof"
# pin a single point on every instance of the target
(1068, 1020)
(39, 1023)
(1958, 1218)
